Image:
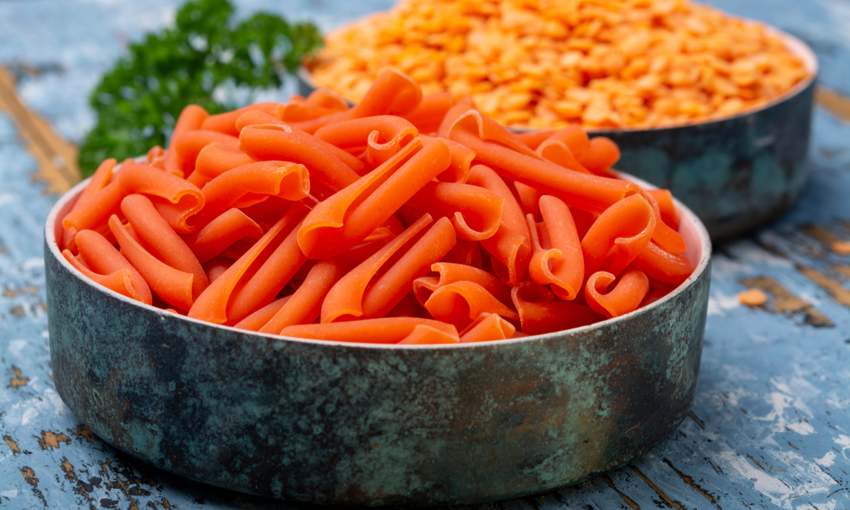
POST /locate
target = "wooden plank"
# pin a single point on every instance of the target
(57, 158)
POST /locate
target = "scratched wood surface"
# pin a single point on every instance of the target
(770, 425)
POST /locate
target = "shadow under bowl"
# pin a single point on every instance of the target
(359, 424)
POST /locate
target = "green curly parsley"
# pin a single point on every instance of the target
(138, 102)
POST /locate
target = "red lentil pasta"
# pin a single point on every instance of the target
(405, 219)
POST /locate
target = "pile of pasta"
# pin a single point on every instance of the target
(404, 219)
(549, 63)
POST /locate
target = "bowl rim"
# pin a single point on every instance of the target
(793, 43)
(685, 215)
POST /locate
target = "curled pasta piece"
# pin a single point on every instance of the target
(557, 260)
(449, 273)
(430, 112)
(557, 152)
(574, 137)
(664, 199)
(388, 330)
(261, 317)
(189, 144)
(487, 129)
(462, 157)
(382, 135)
(589, 192)
(215, 159)
(281, 143)
(213, 305)
(540, 313)
(101, 256)
(475, 212)
(250, 184)
(319, 103)
(661, 265)
(460, 303)
(533, 139)
(529, 199)
(120, 281)
(510, 247)
(189, 119)
(163, 242)
(346, 218)
(600, 155)
(392, 93)
(663, 235)
(488, 326)
(222, 232)
(625, 297)
(226, 122)
(170, 284)
(98, 181)
(305, 304)
(460, 107)
(618, 235)
(256, 118)
(465, 252)
(374, 287)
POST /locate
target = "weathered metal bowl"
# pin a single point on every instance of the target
(337, 423)
(735, 173)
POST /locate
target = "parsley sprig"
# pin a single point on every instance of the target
(138, 102)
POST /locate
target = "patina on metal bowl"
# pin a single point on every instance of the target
(338, 423)
(735, 173)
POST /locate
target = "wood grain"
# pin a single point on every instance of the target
(56, 157)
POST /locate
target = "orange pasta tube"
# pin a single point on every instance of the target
(664, 199)
(350, 215)
(374, 287)
(163, 242)
(99, 254)
(475, 212)
(188, 145)
(213, 304)
(261, 317)
(305, 304)
(485, 128)
(222, 232)
(663, 235)
(388, 330)
(282, 143)
(190, 119)
(98, 181)
(430, 112)
(250, 184)
(661, 265)
(460, 303)
(488, 326)
(540, 313)
(465, 252)
(226, 122)
(589, 192)
(574, 137)
(625, 297)
(383, 136)
(319, 103)
(510, 247)
(215, 159)
(618, 235)
(557, 152)
(172, 285)
(534, 138)
(600, 155)
(449, 273)
(529, 199)
(120, 281)
(392, 93)
(462, 157)
(256, 117)
(557, 260)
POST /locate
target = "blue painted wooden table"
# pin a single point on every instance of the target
(770, 425)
